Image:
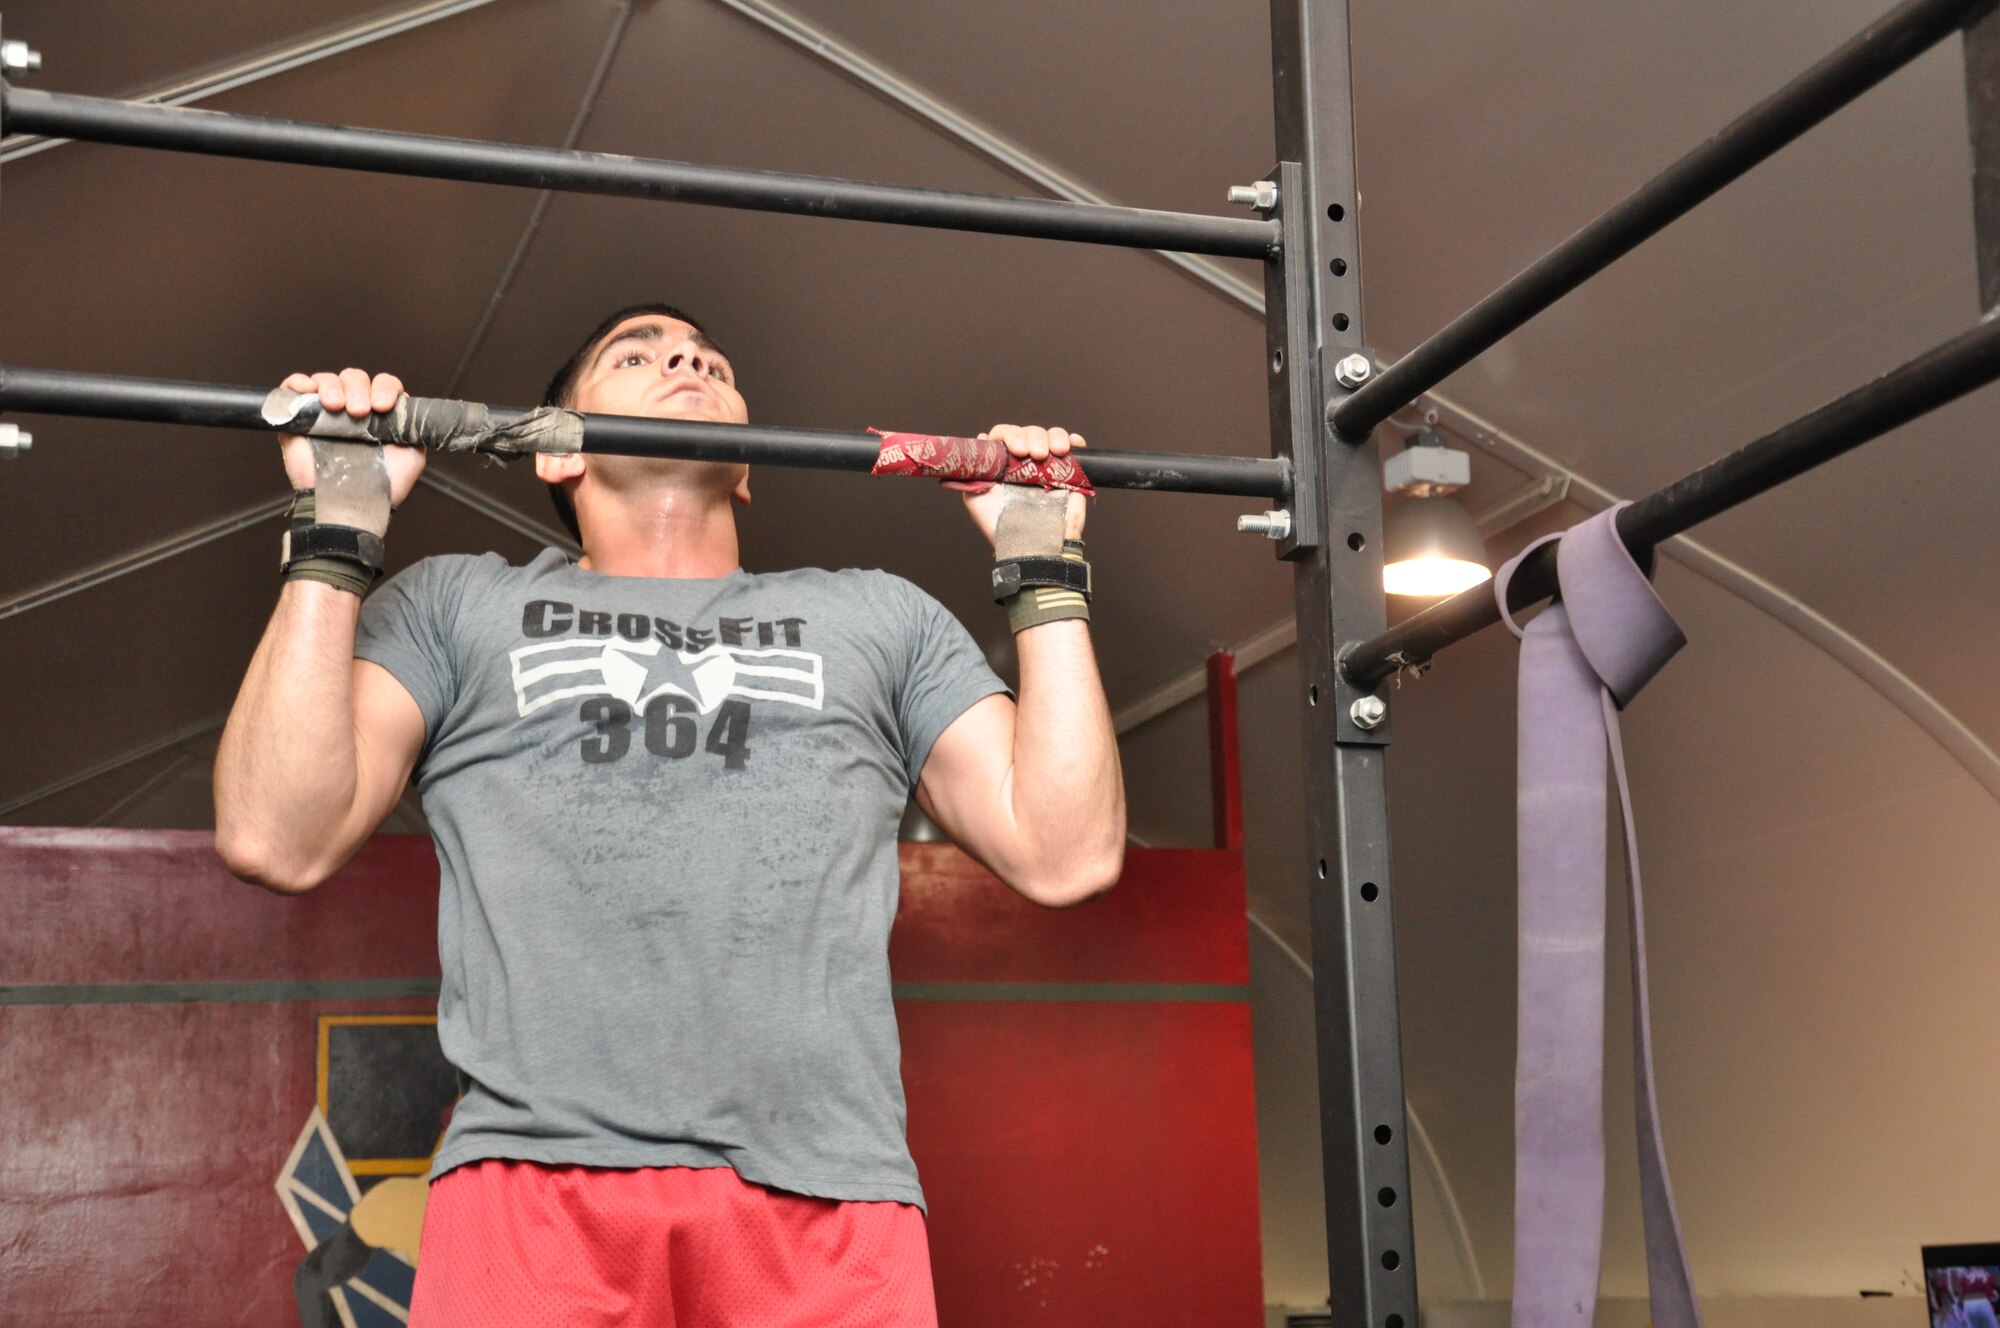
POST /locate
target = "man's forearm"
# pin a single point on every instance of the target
(285, 774)
(1067, 792)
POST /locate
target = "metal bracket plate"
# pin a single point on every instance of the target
(3, 96)
(1354, 520)
(1288, 325)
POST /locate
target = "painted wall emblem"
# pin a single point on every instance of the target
(354, 1184)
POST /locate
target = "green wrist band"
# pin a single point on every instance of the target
(1045, 604)
(335, 572)
(346, 559)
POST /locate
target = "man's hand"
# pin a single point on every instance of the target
(353, 391)
(1032, 442)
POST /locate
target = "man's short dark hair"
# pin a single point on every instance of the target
(562, 388)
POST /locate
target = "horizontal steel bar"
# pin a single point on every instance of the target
(135, 124)
(1967, 362)
(163, 401)
(1894, 40)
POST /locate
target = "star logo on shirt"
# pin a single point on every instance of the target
(636, 672)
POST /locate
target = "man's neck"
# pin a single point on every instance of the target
(668, 534)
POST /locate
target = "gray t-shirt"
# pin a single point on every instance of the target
(666, 819)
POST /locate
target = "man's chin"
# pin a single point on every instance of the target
(680, 472)
(708, 412)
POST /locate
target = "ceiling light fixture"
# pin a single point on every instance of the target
(1430, 545)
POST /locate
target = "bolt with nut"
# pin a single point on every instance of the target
(1352, 371)
(1262, 195)
(1271, 525)
(1367, 712)
(17, 57)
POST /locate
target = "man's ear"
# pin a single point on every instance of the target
(555, 467)
(742, 490)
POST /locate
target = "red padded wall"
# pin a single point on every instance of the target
(1079, 1081)
(139, 1142)
(1087, 1139)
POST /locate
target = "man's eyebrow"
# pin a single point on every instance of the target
(643, 332)
(657, 332)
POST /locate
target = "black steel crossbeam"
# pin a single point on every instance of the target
(165, 401)
(138, 124)
(1961, 365)
(1891, 42)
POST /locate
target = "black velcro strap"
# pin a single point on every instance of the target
(1014, 575)
(343, 542)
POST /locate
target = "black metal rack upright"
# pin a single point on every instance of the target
(1326, 398)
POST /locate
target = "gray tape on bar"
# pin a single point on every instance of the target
(434, 423)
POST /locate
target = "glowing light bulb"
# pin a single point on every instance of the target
(1432, 577)
(1431, 548)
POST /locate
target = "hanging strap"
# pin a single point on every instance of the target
(1582, 659)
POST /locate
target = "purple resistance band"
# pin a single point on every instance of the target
(1582, 660)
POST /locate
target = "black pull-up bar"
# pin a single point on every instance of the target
(215, 133)
(165, 401)
(1961, 365)
(1885, 46)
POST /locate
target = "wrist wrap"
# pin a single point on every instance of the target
(1028, 553)
(338, 526)
(1049, 589)
(345, 557)
(1013, 575)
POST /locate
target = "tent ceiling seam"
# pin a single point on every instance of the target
(146, 786)
(119, 762)
(49, 592)
(501, 513)
(970, 133)
(1923, 709)
(504, 285)
(1937, 720)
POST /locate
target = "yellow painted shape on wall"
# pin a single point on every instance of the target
(391, 1216)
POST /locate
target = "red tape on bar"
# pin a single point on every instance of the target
(975, 461)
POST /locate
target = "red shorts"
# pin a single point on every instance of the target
(520, 1245)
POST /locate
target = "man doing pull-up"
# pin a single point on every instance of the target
(665, 794)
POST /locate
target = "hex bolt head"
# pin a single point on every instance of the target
(1353, 371)
(1271, 525)
(14, 440)
(17, 57)
(1262, 195)
(1368, 711)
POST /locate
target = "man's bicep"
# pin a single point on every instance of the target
(388, 736)
(964, 781)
